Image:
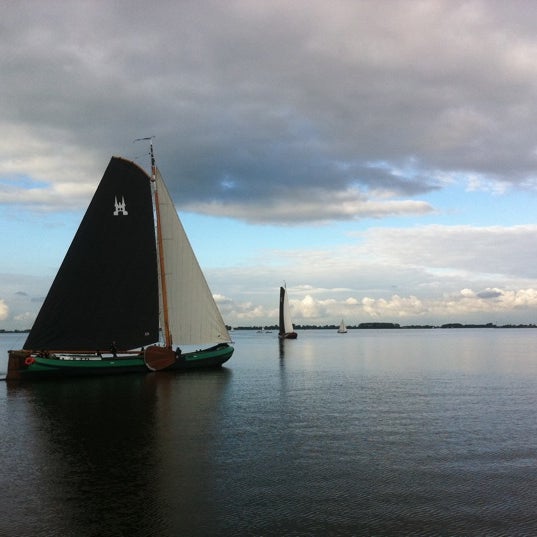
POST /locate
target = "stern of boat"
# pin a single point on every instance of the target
(159, 358)
(17, 363)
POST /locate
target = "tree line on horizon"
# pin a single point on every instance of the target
(368, 325)
(383, 325)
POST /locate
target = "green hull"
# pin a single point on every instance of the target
(23, 365)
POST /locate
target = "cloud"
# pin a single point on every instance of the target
(460, 306)
(410, 308)
(4, 310)
(494, 250)
(457, 306)
(18, 307)
(321, 206)
(395, 307)
(252, 103)
(490, 293)
(424, 274)
(25, 319)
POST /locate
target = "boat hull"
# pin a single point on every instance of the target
(23, 365)
(165, 359)
(288, 335)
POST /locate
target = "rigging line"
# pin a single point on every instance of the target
(146, 138)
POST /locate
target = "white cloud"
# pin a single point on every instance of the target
(321, 206)
(395, 307)
(465, 305)
(508, 251)
(4, 310)
(427, 274)
(456, 306)
(25, 319)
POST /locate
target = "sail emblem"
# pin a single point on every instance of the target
(120, 206)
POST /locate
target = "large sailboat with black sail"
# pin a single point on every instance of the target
(129, 292)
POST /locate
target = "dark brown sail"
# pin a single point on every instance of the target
(287, 330)
(281, 320)
(106, 291)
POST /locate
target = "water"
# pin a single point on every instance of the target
(396, 432)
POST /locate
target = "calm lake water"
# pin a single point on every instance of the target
(396, 432)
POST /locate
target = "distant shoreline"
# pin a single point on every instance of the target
(361, 326)
(391, 326)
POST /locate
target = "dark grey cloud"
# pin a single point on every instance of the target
(252, 100)
(490, 293)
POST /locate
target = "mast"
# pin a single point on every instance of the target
(165, 315)
(162, 266)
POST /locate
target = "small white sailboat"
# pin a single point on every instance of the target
(342, 328)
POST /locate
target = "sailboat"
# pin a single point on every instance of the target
(128, 292)
(287, 330)
(342, 328)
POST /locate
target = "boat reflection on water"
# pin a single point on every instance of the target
(281, 349)
(127, 455)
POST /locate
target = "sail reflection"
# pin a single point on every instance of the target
(129, 453)
(281, 349)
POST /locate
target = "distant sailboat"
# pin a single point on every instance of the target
(342, 328)
(128, 281)
(287, 330)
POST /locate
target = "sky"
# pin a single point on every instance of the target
(377, 157)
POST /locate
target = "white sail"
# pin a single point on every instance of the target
(193, 315)
(287, 323)
(342, 328)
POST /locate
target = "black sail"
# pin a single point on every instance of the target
(281, 322)
(106, 289)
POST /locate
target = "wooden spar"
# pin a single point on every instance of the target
(88, 351)
(167, 335)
